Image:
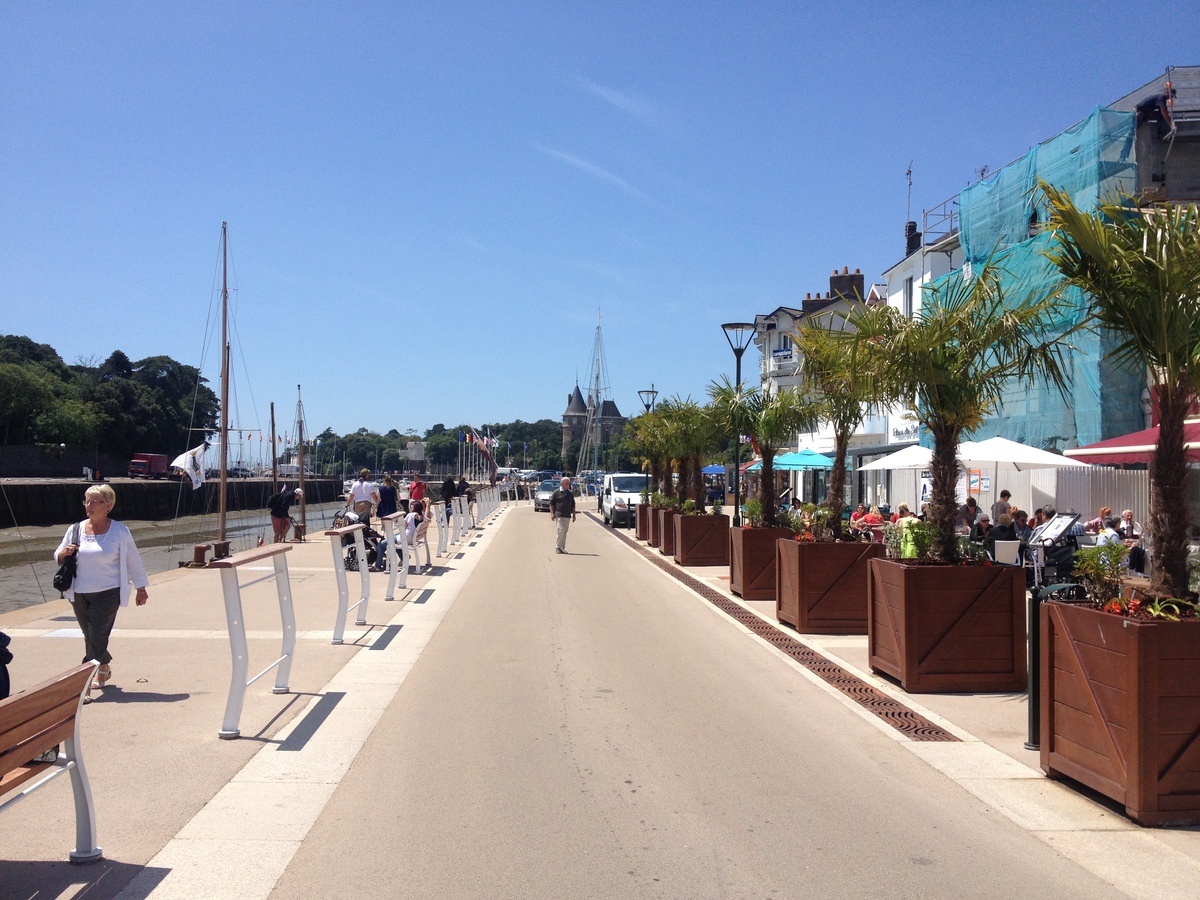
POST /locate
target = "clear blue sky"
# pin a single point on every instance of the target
(430, 203)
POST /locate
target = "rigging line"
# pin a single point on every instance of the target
(209, 335)
(24, 545)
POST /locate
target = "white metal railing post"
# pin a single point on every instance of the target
(335, 536)
(455, 519)
(395, 571)
(231, 590)
(443, 527)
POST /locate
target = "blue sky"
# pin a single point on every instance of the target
(430, 204)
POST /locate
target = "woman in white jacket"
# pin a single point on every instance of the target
(106, 567)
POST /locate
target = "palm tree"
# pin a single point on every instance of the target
(771, 420)
(695, 434)
(828, 371)
(1142, 270)
(650, 431)
(950, 363)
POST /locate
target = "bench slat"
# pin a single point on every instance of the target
(37, 734)
(28, 703)
(20, 775)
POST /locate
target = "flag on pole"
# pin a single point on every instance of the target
(192, 463)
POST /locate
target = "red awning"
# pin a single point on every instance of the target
(1135, 448)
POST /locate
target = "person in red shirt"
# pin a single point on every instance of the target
(416, 490)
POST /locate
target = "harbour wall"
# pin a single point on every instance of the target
(31, 502)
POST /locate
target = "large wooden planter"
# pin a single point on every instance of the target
(702, 540)
(655, 538)
(643, 521)
(822, 588)
(752, 561)
(1121, 709)
(666, 531)
(947, 629)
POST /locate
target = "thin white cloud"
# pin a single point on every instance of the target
(596, 172)
(640, 109)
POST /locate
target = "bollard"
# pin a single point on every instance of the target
(200, 554)
(1034, 703)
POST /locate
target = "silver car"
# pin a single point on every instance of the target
(541, 500)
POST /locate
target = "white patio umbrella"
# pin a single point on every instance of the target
(914, 457)
(1004, 455)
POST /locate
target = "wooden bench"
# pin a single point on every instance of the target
(36, 721)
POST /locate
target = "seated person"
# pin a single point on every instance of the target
(1108, 532)
(859, 512)
(902, 512)
(967, 514)
(1003, 530)
(1096, 525)
(981, 531)
(874, 517)
(1131, 533)
(1021, 525)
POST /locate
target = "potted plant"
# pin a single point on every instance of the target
(947, 625)
(666, 526)
(771, 420)
(701, 540)
(821, 580)
(1120, 676)
(820, 583)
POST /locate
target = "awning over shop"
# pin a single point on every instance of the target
(1137, 447)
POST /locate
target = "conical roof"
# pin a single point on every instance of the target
(608, 410)
(575, 404)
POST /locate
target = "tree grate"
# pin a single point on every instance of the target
(908, 722)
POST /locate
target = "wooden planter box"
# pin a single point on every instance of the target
(666, 531)
(655, 538)
(702, 540)
(643, 521)
(1121, 709)
(822, 588)
(947, 629)
(752, 561)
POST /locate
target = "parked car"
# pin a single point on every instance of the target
(620, 496)
(541, 500)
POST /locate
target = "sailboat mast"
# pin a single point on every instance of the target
(274, 455)
(300, 458)
(224, 472)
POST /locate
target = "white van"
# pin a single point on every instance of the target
(621, 494)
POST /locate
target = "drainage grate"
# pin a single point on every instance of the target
(906, 721)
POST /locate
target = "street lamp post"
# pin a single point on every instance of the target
(648, 402)
(739, 335)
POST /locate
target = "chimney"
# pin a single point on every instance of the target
(912, 239)
(843, 284)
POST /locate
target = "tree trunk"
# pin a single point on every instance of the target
(768, 496)
(668, 483)
(685, 478)
(835, 497)
(943, 504)
(1170, 521)
(698, 481)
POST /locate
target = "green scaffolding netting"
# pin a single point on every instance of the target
(1092, 160)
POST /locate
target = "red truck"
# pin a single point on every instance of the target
(148, 465)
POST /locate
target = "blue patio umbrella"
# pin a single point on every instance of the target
(714, 469)
(798, 461)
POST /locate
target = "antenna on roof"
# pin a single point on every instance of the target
(908, 208)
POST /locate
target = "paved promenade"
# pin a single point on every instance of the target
(521, 724)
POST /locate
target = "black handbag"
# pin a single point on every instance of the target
(66, 572)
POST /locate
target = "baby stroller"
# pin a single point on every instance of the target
(371, 539)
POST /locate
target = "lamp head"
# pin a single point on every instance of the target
(739, 335)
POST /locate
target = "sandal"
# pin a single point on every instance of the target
(103, 675)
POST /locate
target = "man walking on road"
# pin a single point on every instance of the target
(562, 513)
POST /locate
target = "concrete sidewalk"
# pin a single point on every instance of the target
(150, 741)
(182, 813)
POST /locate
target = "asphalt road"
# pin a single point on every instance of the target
(581, 726)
